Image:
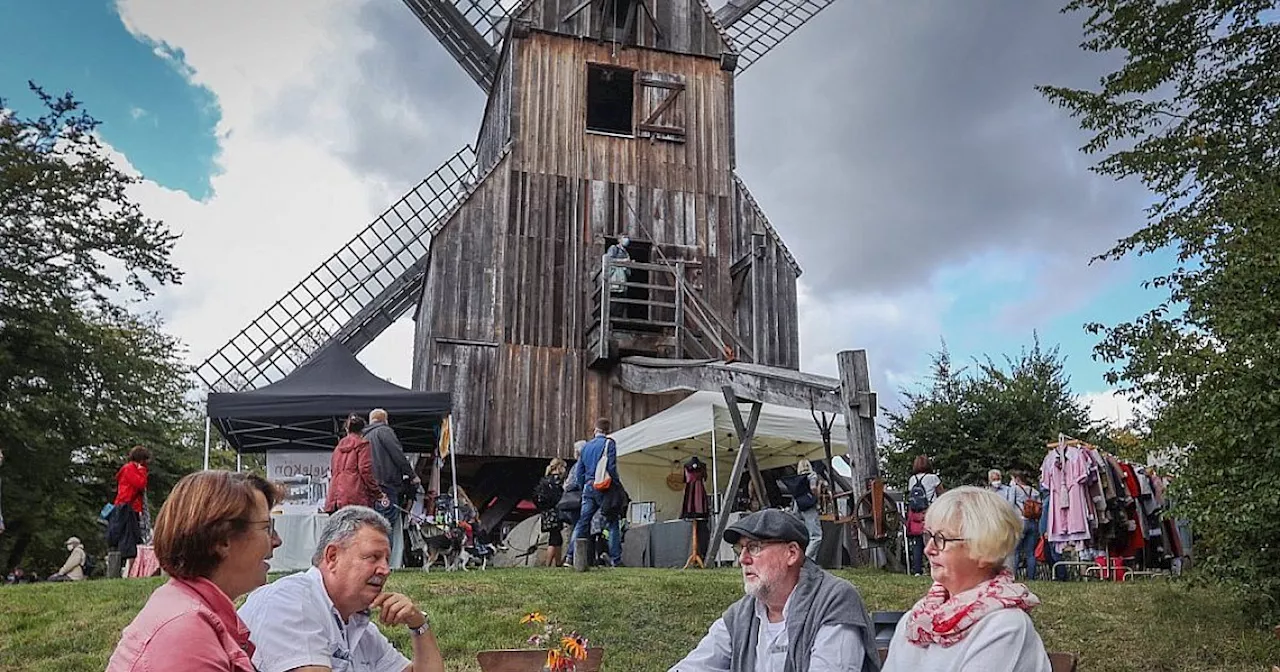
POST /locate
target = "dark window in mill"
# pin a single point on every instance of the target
(610, 99)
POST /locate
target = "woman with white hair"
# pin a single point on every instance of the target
(974, 617)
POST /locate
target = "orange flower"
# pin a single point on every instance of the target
(535, 617)
(575, 647)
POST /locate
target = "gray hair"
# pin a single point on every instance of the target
(343, 525)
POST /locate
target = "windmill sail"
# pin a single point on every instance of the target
(470, 30)
(355, 294)
(756, 26)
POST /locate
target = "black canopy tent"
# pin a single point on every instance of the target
(305, 409)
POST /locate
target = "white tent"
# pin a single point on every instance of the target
(659, 445)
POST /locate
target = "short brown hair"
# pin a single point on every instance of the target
(921, 465)
(604, 425)
(205, 509)
(139, 454)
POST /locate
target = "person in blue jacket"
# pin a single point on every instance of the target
(600, 447)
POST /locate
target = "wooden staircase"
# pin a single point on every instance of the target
(659, 314)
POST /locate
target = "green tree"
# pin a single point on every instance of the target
(992, 416)
(82, 378)
(1193, 111)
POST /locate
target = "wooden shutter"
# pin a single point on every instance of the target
(661, 106)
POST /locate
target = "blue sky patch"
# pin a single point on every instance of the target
(149, 110)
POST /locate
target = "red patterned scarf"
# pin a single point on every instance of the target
(938, 618)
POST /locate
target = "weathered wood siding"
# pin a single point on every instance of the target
(682, 26)
(769, 273)
(551, 135)
(495, 129)
(505, 309)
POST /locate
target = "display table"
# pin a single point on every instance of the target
(663, 544)
(145, 564)
(299, 533)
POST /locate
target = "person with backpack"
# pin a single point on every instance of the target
(923, 487)
(1026, 499)
(546, 495)
(806, 487)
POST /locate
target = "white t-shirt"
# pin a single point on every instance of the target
(1003, 641)
(293, 623)
(929, 482)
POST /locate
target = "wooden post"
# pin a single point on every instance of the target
(860, 426)
(745, 432)
(605, 307)
(679, 336)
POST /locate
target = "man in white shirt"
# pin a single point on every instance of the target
(795, 616)
(319, 620)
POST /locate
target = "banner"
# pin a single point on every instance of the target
(305, 475)
(445, 432)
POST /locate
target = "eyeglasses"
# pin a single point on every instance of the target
(939, 540)
(754, 547)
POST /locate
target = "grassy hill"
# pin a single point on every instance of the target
(648, 619)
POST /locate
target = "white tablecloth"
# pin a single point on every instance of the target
(299, 533)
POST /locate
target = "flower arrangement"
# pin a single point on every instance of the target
(564, 651)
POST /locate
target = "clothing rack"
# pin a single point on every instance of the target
(1117, 503)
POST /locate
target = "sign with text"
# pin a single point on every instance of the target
(305, 475)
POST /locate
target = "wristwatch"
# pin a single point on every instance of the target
(422, 629)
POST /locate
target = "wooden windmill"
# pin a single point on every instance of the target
(604, 118)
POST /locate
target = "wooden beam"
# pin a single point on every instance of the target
(745, 430)
(765, 384)
(859, 423)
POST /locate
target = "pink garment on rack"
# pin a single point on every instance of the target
(1066, 473)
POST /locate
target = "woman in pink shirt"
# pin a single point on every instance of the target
(214, 536)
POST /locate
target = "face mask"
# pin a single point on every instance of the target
(995, 484)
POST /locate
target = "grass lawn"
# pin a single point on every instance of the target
(648, 619)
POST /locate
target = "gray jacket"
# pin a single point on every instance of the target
(390, 466)
(819, 599)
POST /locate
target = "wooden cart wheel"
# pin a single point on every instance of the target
(891, 520)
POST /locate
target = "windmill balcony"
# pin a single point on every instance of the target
(653, 309)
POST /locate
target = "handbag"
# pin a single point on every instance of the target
(1042, 553)
(603, 480)
(107, 508)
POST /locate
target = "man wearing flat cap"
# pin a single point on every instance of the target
(795, 616)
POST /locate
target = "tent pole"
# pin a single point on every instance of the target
(206, 440)
(238, 461)
(715, 470)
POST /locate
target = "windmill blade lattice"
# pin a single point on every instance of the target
(355, 294)
(470, 30)
(765, 24)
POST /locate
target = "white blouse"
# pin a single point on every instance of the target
(1003, 641)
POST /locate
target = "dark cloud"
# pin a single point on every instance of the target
(887, 139)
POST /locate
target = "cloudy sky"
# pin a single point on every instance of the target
(899, 147)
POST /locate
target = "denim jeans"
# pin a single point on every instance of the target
(814, 525)
(590, 502)
(1026, 551)
(915, 548)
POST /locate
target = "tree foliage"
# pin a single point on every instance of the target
(82, 377)
(991, 417)
(1194, 113)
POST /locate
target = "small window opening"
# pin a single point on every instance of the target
(610, 99)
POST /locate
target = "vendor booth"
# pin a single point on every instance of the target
(656, 461)
(297, 421)
(651, 450)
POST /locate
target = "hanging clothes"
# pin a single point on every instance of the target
(695, 490)
(1065, 473)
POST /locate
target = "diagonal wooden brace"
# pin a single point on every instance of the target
(746, 431)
